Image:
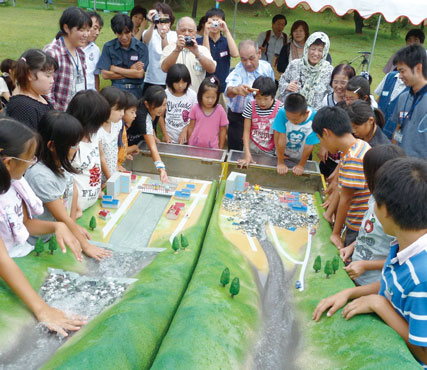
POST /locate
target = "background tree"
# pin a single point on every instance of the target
(92, 223)
(53, 244)
(175, 244)
(184, 242)
(335, 263)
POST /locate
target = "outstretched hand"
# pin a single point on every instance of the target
(332, 304)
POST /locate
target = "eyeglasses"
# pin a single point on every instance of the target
(338, 82)
(30, 161)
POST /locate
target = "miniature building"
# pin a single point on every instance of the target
(158, 188)
(182, 195)
(113, 185)
(104, 214)
(125, 182)
(190, 186)
(235, 182)
(110, 202)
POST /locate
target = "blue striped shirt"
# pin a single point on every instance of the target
(239, 76)
(404, 284)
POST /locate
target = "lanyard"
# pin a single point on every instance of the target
(402, 119)
(75, 61)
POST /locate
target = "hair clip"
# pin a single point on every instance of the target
(25, 60)
(212, 80)
(355, 91)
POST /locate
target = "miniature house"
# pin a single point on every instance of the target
(110, 202)
(235, 182)
(104, 214)
(118, 183)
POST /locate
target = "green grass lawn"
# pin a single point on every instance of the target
(30, 25)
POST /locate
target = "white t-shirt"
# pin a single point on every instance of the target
(154, 74)
(88, 182)
(110, 146)
(92, 54)
(177, 112)
(3, 86)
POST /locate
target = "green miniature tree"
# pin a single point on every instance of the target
(235, 287)
(184, 242)
(328, 269)
(92, 223)
(39, 247)
(225, 277)
(53, 244)
(317, 264)
(176, 244)
(335, 263)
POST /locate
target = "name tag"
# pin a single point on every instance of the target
(134, 58)
(398, 136)
(402, 115)
(223, 54)
(385, 93)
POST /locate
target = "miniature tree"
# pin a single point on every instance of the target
(176, 244)
(92, 223)
(225, 277)
(335, 263)
(235, 287)
(184, 242)
(39, 247)
(317, 266)
(53, 244)
(328, 269)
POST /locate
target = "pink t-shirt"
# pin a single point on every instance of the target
(206, 128)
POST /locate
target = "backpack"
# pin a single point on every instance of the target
(267, 40)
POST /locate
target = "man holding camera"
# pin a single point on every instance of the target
(196, 58)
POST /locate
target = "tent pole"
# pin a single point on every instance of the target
(373, 45)
(234, 18)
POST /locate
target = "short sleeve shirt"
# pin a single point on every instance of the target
(27, 110)
(221, 54)
(207, 127)
(379, 138)
(110, 147)
(186, 57)
(351, 175)
(297, 136)
(178, 112)
(114, 54)
(92, 54)
(142, 125)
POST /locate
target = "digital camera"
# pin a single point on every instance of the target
(215, 24)
(156, 18)
(188, 41)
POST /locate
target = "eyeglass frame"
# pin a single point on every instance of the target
(30, 161)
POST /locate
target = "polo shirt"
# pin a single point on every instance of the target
(221, 54)
(239, 76)
(351, 175)
(92, 56)
(114, 54)
(404, 285)
(414, 125)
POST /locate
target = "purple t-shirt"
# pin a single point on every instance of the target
(206, 128)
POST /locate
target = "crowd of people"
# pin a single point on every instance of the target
(62, 137)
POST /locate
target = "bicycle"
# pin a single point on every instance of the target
(362, 68)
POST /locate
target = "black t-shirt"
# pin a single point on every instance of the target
(379, 138)
(27, 110)
(141, 126)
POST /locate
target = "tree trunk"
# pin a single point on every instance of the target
(358, 22)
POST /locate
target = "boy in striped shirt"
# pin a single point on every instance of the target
(332, 125)
(400, 298)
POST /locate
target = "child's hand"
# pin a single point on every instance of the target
(182, 138)
(333, 303)
(331, 188)
(282, 169)
(337, 241)
(365, 304)
(95, 252)
(163, 176)
(346, 253)
(298, 170)
(85, 233)
(246, 161)
(293, 86)
(166, 138)
(355, 269)
(129, 157)
(323, 154)
(58, 321)
(65, 237)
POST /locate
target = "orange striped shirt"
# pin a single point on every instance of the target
(351, 175)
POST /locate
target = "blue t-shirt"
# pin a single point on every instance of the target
(221, 54)
(114, 54)
(296, 135)
(404, 284)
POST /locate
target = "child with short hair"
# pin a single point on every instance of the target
(34, 74)
(359, 88)
(293, 136)
(399, 298)
(332, 126)
(259, 116)
(180, 101)
(367, 254)
(126, 151)
(208, 120)
(108, 134)
(92, 110)
(51, 178)
(367, 123)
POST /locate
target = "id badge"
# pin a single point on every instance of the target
(80, 83)
(398, 136)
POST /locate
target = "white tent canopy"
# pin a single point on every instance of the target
(414, 10)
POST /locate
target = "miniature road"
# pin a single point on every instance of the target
(279, 338)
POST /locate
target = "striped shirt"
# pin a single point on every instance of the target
(351, 176)
(240, 76)
(404, 284)
(247, 113)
